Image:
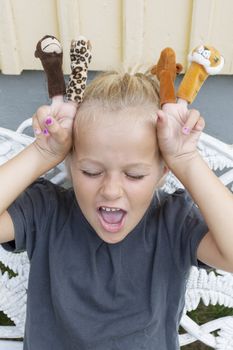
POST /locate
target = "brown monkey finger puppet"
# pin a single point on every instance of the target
(49, 51)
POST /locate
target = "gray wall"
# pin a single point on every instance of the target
(21, 95)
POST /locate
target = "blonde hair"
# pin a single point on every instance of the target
(114, 91)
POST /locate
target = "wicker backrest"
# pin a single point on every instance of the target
(211, 288)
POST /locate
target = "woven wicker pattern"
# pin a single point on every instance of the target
(212, 288)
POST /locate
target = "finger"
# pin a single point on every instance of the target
(193, 117)
(36, 126)
(56, 100)
(162, 124)
(200, 125)
(54, 129)
(41, 114)
(182, 102)
(162, 118)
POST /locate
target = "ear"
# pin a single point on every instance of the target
(68, 167)
(162, 180)
(154, 69)
(165, 169)
(179, 68)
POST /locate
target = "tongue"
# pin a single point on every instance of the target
(112, 217)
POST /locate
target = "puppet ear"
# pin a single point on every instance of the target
(179, 68)
(154, 69)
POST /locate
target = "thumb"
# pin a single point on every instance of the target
(162, 125)
(37, 119)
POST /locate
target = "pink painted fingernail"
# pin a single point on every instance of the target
(45, 132)
(186, 130)
(48, 121)
(37, 131)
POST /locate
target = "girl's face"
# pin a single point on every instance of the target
(115, 170)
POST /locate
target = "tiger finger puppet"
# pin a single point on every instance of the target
(204, 61)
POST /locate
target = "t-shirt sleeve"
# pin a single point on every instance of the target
(30, 214)
(185, 227)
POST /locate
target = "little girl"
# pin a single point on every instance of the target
(110, 257)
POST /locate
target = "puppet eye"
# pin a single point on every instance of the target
(216, 59)
(200, 49)
(206, 54)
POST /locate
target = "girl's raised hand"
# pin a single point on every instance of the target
(53, 124)
(53, 129)
(178, 131)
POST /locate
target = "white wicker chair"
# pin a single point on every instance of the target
(211, 288)
(214, 287)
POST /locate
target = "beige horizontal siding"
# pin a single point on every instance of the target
(122, 32)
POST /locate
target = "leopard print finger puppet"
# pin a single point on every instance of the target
(166, 71)
(49, 51)
(80, 56)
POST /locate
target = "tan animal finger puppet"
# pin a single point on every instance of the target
(49, 51)
(166, 71)
(205, 60)
(80, 56)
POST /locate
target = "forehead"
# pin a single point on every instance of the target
(115, 122)
(91, 116)
(117, 135)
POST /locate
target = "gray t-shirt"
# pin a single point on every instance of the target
(84, 293)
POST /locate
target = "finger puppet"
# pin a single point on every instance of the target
(80, 56)
(205, 60)
(166, 71)
(49, 51)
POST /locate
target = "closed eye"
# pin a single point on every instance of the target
(90, 174)
(135, 177)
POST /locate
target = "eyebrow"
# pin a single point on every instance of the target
(132, 165)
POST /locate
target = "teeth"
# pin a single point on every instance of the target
(110, 209)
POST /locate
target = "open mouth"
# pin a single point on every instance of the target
(111, 219)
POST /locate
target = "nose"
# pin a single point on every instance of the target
(111, 188)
